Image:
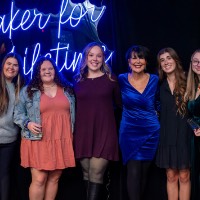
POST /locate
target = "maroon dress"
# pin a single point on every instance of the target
(95, 127)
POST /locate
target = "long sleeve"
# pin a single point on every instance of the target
(20, 112)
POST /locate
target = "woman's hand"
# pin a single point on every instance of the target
(34, 128)
(197, 132)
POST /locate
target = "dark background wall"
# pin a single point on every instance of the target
(153, 23)
(157, 24)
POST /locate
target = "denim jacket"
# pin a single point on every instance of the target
(27, 109)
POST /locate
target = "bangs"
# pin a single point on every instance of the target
(139, 54)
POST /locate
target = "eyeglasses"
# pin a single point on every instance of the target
(195, 62)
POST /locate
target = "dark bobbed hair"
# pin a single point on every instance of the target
(19, 82)
(138, 50)
(36, 81)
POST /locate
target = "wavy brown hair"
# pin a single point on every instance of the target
(83, 68)
(180, 85)
(37, 83)
(18, 81)
(192, 81)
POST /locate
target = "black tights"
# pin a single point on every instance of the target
(137, 172)
(6, 156)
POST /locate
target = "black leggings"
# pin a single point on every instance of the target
(6, 156)
(137, 172)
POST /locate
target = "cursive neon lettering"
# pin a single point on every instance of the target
(70, 14)
(40, 19)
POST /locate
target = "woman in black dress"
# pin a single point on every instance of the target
(174, 149)
(95, 137)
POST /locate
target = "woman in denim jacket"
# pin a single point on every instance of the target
(45, 112)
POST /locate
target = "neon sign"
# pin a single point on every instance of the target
(71, 16)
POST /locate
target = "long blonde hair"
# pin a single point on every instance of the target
(192, 81)
(83, 69)
(180, 85)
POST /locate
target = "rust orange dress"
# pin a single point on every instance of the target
(55, 150)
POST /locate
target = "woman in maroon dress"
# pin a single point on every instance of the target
(95, 138)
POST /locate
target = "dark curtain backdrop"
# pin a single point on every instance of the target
(154, 24)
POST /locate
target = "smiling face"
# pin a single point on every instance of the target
(47, 72)
(196, 63)
(167, 63)
(10, 68)
(95, 59)
(137, 64)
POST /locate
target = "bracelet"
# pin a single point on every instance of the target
(26, 124)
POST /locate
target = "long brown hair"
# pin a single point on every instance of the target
(83, 69)
(18, 81)
(192, 81)
(180, 85)
(36, 81)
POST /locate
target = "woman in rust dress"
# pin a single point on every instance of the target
(45, 112)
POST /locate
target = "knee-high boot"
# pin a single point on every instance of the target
(94, 191)
(86, 185)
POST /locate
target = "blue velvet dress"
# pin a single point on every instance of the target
(139, 127)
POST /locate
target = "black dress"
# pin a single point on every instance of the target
(174, 147)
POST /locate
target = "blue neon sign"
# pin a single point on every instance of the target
(70, 16)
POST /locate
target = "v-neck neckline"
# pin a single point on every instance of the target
(53, 96)
(141, 93)
(168, 88)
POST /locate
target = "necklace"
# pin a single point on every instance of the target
(49, 86)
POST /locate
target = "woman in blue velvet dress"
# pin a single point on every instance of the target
(139, 128)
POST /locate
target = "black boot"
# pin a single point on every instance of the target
(86, 185)
(94, 191)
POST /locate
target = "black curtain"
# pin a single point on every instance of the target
(156, 24)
